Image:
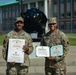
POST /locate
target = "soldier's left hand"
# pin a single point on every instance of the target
(52, 58)
(12, 63)
(25, 48)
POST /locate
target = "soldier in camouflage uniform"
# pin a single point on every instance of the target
(55, 65)
(12, 67)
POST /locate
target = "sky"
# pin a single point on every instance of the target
(4, 2)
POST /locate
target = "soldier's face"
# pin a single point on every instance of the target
(19, 25)
(52, 27)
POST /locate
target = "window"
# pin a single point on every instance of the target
(32, 5)
(74, 8)
(68, 8)
(68, 25)
(25, 7)
(61, 25)
(41, 6)
(55, 8)
(55, 2)
(17, 10)
(74, 0)
(61, 8)
(62, 1)
(1, 16)
(3, 13)
(68, 1)
(6, 12)
(9, 12)
(13, 11)
(74, 27)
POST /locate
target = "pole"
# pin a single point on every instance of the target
(71, 16)
(46, 7)
(36, 4)
(46, 13)
(21, 10)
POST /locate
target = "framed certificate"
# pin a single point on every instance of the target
(42, 51)
(46, 51)
(15, 51)
(56, 50)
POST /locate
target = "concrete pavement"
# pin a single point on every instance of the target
(37, 64)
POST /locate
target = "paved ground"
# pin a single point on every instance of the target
(37, 64)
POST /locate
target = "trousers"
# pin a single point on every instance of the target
(16, 69)
(55, 71)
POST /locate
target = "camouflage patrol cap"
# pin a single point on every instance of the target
(19, 19)
(52, 20)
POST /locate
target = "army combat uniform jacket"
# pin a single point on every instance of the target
(22, 35)
(55, 38)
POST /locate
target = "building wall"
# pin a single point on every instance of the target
(10, 12)
(0, 19)
(64, 10)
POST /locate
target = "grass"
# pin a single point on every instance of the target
(72, 40)
(71, 34)
(1, 39)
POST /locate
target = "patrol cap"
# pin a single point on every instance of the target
(52, 20)
(19, 19)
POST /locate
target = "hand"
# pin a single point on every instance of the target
(4, 41)
(5, 38)
(25, 48)
(52, 58)
(12, 63)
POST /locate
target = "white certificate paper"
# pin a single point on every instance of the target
(15, 51)
(57, 50)
(42, 51)
(46, 51)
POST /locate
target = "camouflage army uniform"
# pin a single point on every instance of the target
(18, 69)
(58, 66)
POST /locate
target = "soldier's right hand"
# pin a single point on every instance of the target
(51, 58)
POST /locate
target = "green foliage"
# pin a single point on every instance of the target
(1, 39)
(72, 39)
(71, 34)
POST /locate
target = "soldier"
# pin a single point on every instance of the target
(14, 68)
(55, 65)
